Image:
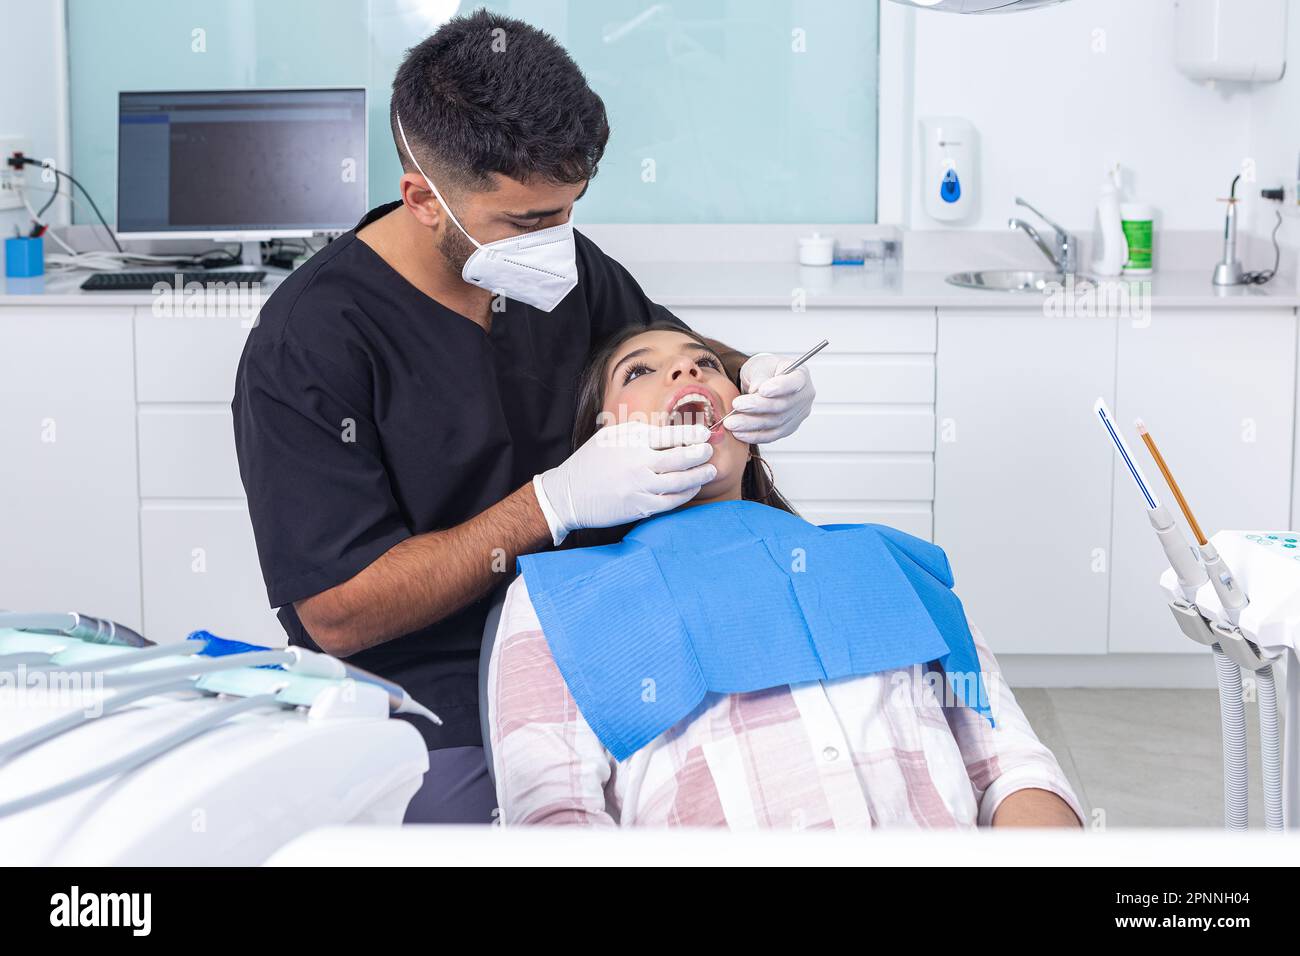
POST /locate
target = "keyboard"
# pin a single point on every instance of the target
(145, 281)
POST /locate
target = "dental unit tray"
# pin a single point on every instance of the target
(219, 767)
(1267, 566)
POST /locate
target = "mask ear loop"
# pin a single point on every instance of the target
(437, 195)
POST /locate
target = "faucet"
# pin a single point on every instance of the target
(1063, 252)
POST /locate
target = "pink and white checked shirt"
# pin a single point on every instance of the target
(855, 752)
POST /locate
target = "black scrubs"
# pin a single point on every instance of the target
(366, 412)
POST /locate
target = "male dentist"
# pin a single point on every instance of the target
(403, 409)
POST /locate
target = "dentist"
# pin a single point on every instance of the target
(404, 406)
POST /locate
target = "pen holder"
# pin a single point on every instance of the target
(24, 257)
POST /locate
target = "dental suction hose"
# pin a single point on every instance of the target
(1232, 712)
(1270, 748)
(322, 665)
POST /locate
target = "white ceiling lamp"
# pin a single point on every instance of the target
(978, 6)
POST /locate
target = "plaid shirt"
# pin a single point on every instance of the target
(880, 750)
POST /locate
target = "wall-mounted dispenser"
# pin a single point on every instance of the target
(1241, 40)
(949, 168)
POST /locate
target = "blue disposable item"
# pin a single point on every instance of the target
(736, 596)
(224, 647)
(24, 257)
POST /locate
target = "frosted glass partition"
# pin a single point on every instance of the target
(723, 111)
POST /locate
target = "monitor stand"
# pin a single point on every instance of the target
(250, 254)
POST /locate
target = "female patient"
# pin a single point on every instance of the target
(855, 751)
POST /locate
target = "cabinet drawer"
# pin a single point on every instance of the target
(201, 573)
(189, 359)
(858, 429)
(877, 379)
(188, 452)
(813, 477)
(793, 333)
(912, 519)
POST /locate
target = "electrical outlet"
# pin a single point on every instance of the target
(10, 177)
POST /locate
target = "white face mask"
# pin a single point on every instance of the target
(537, 268)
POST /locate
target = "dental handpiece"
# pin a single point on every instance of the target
(322, 665)
(94, 630)
(1182, 556)
(789, 368)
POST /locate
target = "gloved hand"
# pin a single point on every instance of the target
(623, 473)
(770, 406)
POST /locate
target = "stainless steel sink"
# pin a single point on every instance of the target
(1012, 280)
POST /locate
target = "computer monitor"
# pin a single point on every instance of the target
(240, 165)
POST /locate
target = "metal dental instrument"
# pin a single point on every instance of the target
(789, 368)
(71, 624)
(1231, 596)
(1182, 557)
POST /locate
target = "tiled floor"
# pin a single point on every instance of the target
(1142, 758)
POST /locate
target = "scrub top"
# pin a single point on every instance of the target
(366, 412)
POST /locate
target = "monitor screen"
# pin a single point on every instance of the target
(221, 163)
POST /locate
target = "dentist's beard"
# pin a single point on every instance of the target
(455, 248)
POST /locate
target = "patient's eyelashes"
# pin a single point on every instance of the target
(637, 369)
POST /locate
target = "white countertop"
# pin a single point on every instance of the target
(772, 284)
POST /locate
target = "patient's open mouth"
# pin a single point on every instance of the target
(692, 408)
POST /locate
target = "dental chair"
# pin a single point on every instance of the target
(490, 626)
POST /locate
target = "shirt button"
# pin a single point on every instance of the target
(829, 754)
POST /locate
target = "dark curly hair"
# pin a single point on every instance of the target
(490, 94)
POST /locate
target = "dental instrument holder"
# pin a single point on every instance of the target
(1253, 634)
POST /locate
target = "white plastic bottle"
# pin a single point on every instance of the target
(1110, 248)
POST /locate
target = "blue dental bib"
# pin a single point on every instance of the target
(736, 596)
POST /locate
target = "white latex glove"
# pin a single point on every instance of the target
(624, 473)
(770, 406)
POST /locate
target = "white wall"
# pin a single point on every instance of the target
(1058, 93)
(1275, 141)
(33, 98)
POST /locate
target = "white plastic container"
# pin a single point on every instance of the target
(1110, 248)
(816, 250)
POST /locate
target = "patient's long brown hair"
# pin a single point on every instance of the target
(756, 484)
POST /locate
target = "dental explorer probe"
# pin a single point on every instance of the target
(1231, 596)
(1182, 556)
(789, 368)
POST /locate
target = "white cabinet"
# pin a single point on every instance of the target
(200, 567)
(866, 452)
(69, 533)
(1022, 500)
(201, 572)
(1217, 390)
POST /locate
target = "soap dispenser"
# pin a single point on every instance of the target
(1110, 247)
(949, 153)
